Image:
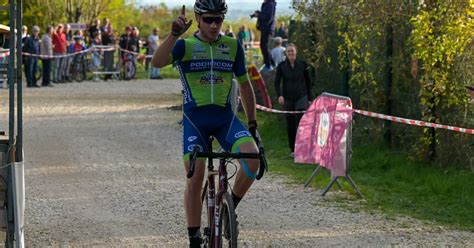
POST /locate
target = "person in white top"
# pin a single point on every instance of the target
(278, 52)
(153, 41)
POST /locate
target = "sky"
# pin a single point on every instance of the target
(240, 6)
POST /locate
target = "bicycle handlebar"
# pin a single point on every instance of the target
(196, 154)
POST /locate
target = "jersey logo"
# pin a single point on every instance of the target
(223, 48)
(211, 78)
(192, 138)
(191, 148)
(242, 134)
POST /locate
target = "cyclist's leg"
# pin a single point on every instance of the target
(234, 137)
(192, 195)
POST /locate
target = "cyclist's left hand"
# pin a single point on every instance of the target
(253, 130)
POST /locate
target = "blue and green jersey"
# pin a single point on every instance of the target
(207, 69)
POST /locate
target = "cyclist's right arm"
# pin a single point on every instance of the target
(163, 56)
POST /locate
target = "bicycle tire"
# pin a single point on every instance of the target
(205, 236)
(128, 70)
(39, 72)
(227, 217)
(78, 72)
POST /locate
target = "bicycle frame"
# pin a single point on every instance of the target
(213, 231)
(212, 202)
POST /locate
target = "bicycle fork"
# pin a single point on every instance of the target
(213, 203)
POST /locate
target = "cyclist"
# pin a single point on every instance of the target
(207, 62)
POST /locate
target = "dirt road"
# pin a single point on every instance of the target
(103, 169)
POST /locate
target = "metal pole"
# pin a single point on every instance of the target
(11, 77)
(19, 142)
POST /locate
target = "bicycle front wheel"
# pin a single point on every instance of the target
(228, 222)
(129, 70)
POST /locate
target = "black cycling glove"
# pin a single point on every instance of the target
(177, 30)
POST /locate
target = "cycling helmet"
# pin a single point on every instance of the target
(210, 6)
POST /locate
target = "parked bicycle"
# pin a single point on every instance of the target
(128, 68)
(221, 217)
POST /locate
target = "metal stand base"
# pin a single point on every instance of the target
(348, 177)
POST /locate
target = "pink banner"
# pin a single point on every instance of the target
(322, 133)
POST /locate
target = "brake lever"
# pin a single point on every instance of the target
(192, 162)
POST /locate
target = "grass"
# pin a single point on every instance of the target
(390, 182)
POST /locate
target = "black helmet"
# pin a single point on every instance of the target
(210, 6)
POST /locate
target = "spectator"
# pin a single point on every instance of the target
(108, 39)
(124, 41)
(59, 49)
(105, 25)
(243, 36)
(24, 36)
(134, 42)
(282, 31)
(94, 28)
(229, 31)
(153, 41)
(46, 48)
(293, 87)
(278, 52)
(78, 44)
(96, 41)
(32, 46)
(266, 26)
(66, 60)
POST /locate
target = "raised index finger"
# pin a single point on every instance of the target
(183, 11)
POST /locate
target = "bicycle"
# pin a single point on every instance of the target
(78, 68)
(221, 212)
(128, 69)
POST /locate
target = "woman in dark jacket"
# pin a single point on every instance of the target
(293, 87)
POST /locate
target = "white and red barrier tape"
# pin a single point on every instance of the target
(92, 49)
(384, 117)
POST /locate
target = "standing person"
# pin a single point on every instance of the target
(282, 31)
(207, 110)
(32, 46)
(46, 48)
(243, 36)
(94, 28)
(96, 41)
(134, 41)
(153, 41)
(66, 60)
(105, 25)
(59, 49)
(124, 42)
(24, 36)
(229, 31)
(266, 25)
(108, 39)
(278, 52)
(293, 87)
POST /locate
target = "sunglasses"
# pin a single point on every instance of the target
(211, 19)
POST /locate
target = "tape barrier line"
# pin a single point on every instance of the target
(384, 117)
(92, 49)
(135, 53)
(414, 122)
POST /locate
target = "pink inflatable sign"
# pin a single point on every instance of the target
(323, 133)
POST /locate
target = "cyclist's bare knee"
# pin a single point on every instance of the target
(249, 147)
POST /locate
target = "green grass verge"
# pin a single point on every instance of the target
(390, 182)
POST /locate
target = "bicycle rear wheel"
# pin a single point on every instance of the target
(228, 222)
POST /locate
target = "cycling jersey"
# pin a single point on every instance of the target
(207, 70)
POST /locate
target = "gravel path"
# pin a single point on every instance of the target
(103, 169)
